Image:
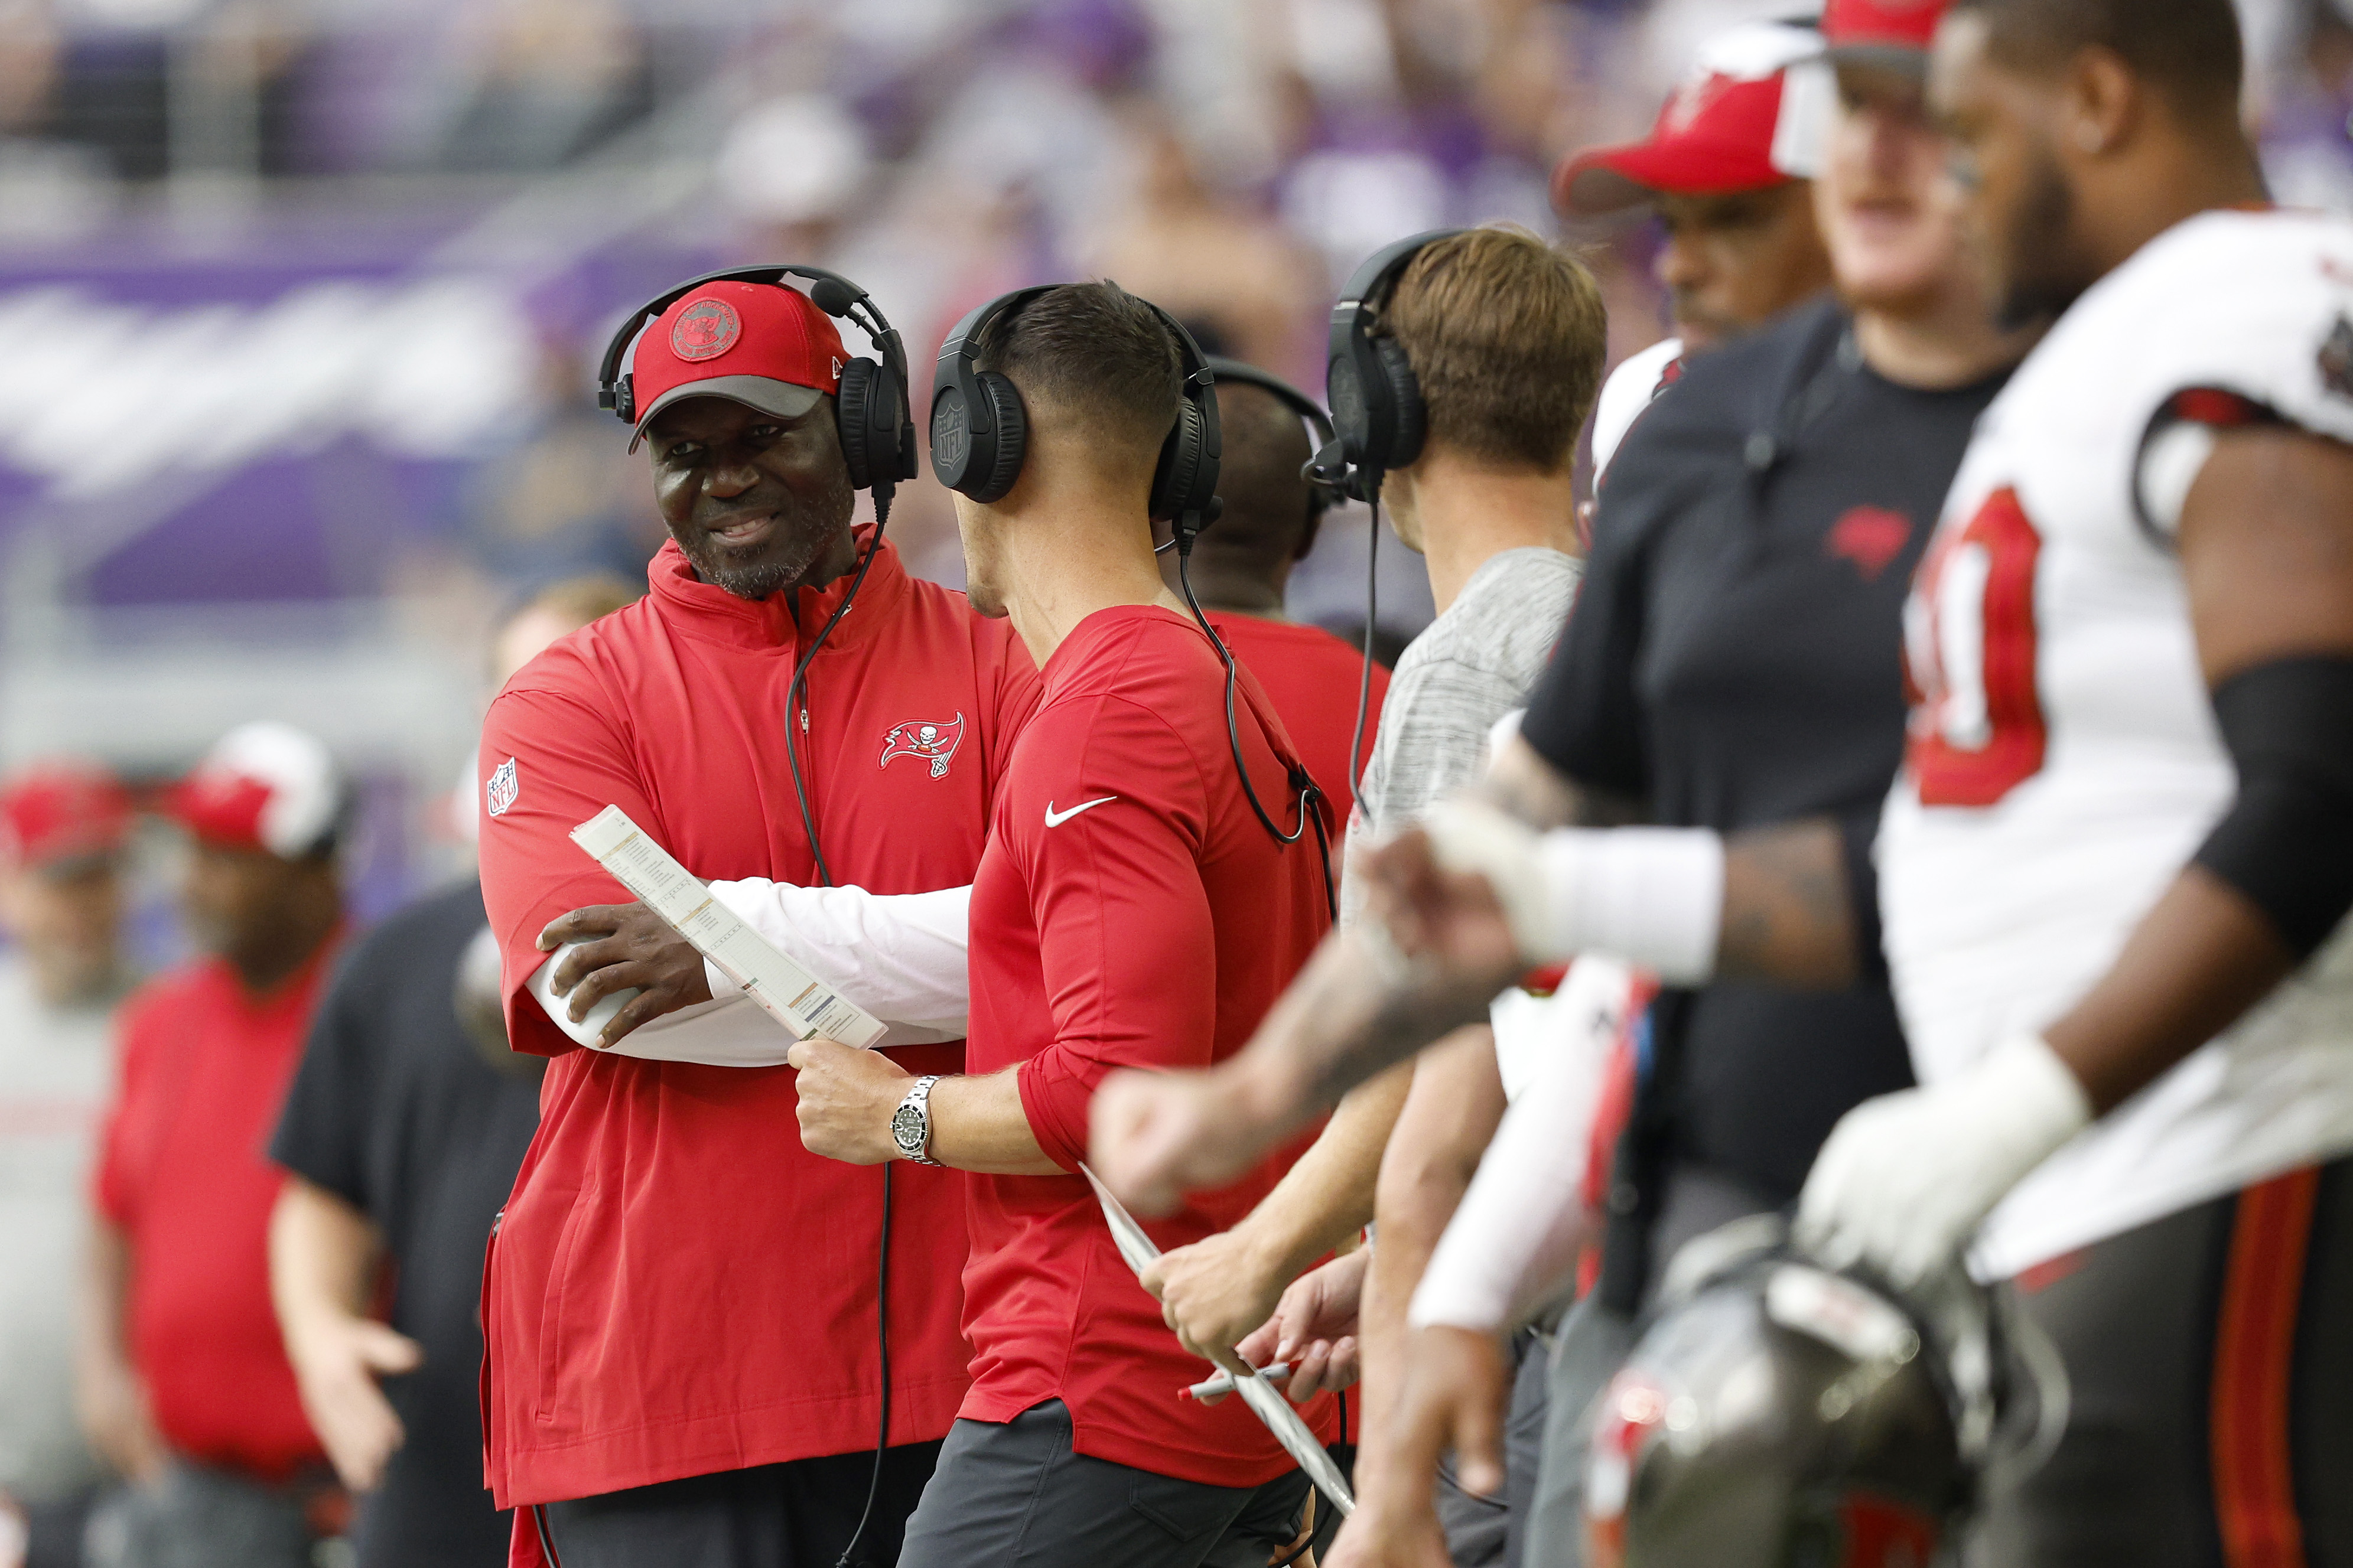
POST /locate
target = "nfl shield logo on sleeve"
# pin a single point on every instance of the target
(501, 791)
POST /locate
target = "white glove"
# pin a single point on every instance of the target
(1651, 896)
(1904, 1180)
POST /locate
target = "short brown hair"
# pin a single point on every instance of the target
(1506, 336)
(1096, 355)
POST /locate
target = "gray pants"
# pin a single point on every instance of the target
(1592, 1345)
(1491, 1531)
(1014, 1496)
(198, 1517)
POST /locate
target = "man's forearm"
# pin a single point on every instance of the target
(2199, 960)
(1343, 1019)
(1452, 1110)
(979, 1124)
(1788, 917)
(322, 1257)
(1327, 1196)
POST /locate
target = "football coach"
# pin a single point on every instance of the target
(686, 1315)
(1153, 878)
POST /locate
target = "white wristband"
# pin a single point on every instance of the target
(1651, 896)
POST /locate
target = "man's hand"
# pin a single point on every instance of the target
(337, 1360)
(628, 945)
(1904, 1180)
(1213, 1293)
(112, 1408)
(1156, 1136)
(1449, 920)
(846, 1097)
(1314, 1328)
(1451, 1395)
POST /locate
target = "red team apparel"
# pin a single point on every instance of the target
(677, 1286)
(1130, 911)
(1310, 678)
(182, 1175)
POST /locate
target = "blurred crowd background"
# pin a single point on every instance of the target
(300, 299)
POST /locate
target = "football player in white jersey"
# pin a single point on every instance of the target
(2114, 873)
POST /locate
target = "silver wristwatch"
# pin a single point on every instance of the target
(910, 1124)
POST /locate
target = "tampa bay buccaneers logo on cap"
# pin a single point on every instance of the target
(935, 742)
(705, 329)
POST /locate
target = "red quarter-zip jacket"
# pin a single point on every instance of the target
(677, 1286)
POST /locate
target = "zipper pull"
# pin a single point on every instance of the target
(803, 718)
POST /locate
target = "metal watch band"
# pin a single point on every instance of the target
(910, 1124)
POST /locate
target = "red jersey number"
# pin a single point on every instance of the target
(1977, 728)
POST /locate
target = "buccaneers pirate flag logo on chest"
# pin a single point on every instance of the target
(935, 742)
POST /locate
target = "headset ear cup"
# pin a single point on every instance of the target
(853, 416)
(1012, 422)
(1411, 421)
(1180, 461)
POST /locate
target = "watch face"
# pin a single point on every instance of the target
(907, 1129)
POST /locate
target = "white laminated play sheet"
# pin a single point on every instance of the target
(801, 1001)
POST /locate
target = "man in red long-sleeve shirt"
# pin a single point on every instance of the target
(1130, 910)
(680, 1304)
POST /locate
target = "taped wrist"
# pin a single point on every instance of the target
(1651, 896)
(2288, 840)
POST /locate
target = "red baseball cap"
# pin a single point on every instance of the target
(263, 786)
(760, 344)
(1881, 32)
(59, 813)
(1742, 121)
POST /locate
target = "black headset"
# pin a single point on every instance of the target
(980, 430)
(870, 408)
(1326, 488)
(1377, 414)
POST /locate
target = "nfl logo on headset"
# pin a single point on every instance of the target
(501, 791)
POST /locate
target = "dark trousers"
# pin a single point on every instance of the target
(2210, 1364)
(800, 1514)
(1491, 1531)
(1014, 1496)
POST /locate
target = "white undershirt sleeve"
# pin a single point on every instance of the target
(1516, 1229)
(899, 956)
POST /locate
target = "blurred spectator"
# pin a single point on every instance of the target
(62, 829)
(1241, 565)
(554, 78)
(184, 1384)
(401, 1136)
(1243, 286)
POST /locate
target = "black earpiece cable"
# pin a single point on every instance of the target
(1309, 806)
(795, 715)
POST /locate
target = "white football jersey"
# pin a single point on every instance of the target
(1631, 387)
(2064, 761)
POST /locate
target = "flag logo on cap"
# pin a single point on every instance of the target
(705, 329)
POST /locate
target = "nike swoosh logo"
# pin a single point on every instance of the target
(1056, 818)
